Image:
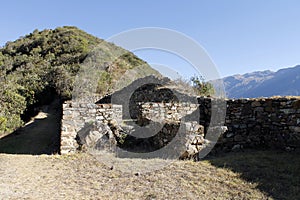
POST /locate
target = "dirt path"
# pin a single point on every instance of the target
(39, 136)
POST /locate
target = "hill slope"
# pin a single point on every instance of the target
(43, 64)
(285, 82)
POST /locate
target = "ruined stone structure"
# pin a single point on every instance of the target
(259, 123)
(251, 123)
(80, 119)
(78, 115)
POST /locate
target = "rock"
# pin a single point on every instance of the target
(237, 147)
(191, 150)
(97, 136)
(229, 135)
(199, 129)
(216, 131)
(259, 109)
(238, 138)
(137, 174)
(194, 144)
(297, 129)
(255, 104)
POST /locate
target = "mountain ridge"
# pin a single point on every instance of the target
(284, 82)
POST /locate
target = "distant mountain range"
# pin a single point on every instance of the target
(284, 82)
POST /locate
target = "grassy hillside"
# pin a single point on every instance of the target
(43, 64)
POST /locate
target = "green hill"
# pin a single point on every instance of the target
(44, 64)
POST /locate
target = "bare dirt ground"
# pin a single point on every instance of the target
(83, 177)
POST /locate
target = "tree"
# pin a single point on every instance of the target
(201, 87)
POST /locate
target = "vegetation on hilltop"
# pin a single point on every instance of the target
(201, 87)
(43, 64)
(196, 86)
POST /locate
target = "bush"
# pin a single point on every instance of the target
(201, 87)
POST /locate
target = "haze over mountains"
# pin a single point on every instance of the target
(284, 82)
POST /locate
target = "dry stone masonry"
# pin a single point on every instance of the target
(172, 111)
(249, 123)
(257, 123)
(80, 116)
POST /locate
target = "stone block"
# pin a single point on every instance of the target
(255, 104)
(238, 138)
(297, 129)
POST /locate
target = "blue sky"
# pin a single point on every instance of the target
(239, 35)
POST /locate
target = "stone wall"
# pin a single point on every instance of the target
(257, 123)
(172, 111)
(251, 123)
(81, 119)
(77, 116)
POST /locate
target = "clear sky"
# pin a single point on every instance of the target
(239, 35)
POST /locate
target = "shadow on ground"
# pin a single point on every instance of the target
(276, 173)
(40, 136)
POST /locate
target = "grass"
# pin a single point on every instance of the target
(275, 173)
(83, 177)
(244, 175)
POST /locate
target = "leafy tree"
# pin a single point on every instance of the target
(12, 105)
